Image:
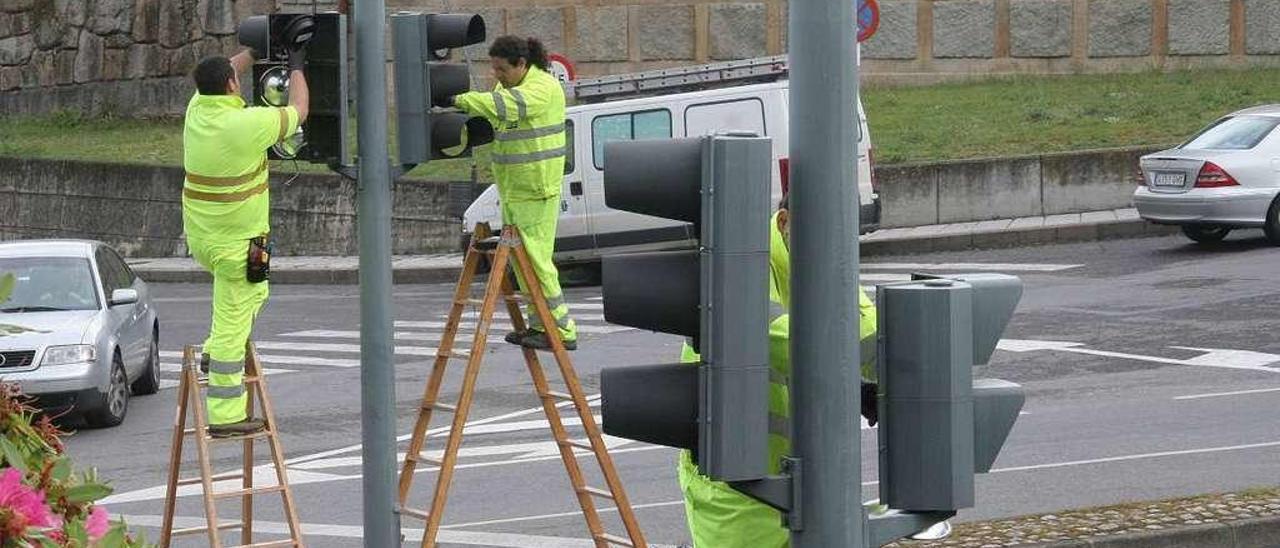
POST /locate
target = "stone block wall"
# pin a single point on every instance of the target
(131, 57)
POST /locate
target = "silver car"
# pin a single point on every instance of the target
(78, 330)
(1225, 177)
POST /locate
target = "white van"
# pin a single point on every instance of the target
(588, 229)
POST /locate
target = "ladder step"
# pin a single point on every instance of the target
(437, 406)
(213, 478)
(580, 444)
(558, 395)
(270, 544)
(614, 539)
(597, 492)
(420, 514)
(256, 435)
(251, 491)
(205, 528)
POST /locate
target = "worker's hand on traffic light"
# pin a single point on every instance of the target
(298, 58)
(870, 407)
(448, 101)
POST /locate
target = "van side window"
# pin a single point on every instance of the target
(570, 153)
(652, 124)
(737, 115)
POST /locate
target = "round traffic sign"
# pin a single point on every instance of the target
(561, 68)
(868, 19)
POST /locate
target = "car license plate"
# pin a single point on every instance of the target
(1170, 179)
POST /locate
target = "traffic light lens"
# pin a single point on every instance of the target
(275, 87)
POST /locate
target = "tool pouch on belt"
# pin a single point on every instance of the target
(259, 265)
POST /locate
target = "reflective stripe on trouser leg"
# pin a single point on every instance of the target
(537, 220)
(236, 304)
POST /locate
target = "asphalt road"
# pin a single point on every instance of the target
(1171, 388)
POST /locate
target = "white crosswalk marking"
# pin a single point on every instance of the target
(270, 359)
(970, 267)
(582, 328)
(576, 316)
(424, 336)
(347, 348)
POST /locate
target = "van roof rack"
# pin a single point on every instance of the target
(681, 79)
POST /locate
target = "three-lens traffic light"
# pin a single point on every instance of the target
(424, 82)
(716, 295)
(323, 137)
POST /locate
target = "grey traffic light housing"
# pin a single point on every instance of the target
(716, 295)
(939, 426)
(425, 129)
(324, 136)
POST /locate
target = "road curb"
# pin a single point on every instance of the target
(1245, 533)
(925, 242)
(1036, 235)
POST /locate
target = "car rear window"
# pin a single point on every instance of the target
(1236, 133)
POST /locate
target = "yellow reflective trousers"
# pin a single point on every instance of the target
(536, 220)
(236, 303)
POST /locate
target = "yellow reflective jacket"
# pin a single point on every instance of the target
(224, 153)
(528, 146)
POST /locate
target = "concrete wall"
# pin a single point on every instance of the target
(1003, 188)
(138, 209)
(130, 57)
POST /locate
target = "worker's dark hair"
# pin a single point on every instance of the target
(212, 74)
(785, 202)
(514, 48)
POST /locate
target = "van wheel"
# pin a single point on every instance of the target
(1272, 225)
(1206, 234)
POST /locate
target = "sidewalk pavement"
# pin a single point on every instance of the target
(1075, 227)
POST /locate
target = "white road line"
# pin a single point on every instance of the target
(1236, 393)
(399, 335)
(865, 278)
(576, 316)
(348, 348)
(177, 368)
(270, 359)
(981, 267)
(311, 530)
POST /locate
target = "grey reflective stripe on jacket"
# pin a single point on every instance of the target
(508, 159)
(499, 104)
(534, 133)
(522, 108)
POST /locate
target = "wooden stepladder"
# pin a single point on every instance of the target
(501, 251)
(191, 397)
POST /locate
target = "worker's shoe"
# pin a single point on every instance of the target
(516, 337)
(204, 363)
(242, 428)
(938, 531)
(540, 341)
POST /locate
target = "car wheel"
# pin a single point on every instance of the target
(115, 403)
(1272, 225)
(149, 382)
(1206, 234)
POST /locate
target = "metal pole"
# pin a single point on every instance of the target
(824, 252)
(377, 375)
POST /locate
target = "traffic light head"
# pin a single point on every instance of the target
(323, 137)
(425, 129)
(717, 295)
(938, 425)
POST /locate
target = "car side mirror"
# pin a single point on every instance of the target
(123, 296)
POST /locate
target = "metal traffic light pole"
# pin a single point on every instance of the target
(377, 375)
(824, 256)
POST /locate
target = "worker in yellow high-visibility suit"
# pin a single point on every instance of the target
(718, 515)
(526, 109)
(225, 207)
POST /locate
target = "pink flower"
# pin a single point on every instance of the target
(97, 524)
(24, 503)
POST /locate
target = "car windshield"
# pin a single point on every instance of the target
(1237, 133)
(46, 284)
